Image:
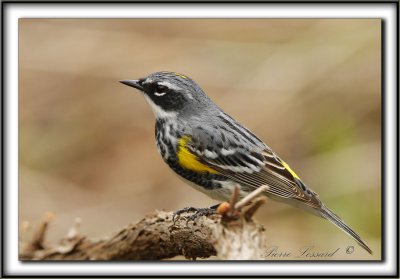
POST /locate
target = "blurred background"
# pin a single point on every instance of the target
(310, 88)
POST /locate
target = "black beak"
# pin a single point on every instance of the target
(133, 83)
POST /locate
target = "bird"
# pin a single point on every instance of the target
(214, 153)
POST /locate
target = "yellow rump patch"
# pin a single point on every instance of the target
(180, 75)
(188, 160)
(290, 170)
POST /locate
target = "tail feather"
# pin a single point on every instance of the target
(329, 215)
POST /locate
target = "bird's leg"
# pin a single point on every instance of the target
(197, 212)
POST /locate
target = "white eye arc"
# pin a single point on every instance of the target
(160, 94)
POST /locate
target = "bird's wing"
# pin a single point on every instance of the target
(238, 154)
(251, 165)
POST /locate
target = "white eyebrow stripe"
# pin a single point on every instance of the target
(169, 85)
(160, 94)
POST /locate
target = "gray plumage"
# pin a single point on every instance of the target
(224, 145)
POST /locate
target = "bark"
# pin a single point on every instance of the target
(229, 234)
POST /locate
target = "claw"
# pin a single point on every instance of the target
(198, 212)
(179, 212)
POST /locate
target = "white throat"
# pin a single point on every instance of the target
(158, 111)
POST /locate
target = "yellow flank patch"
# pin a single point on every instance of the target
(188, 160)
(180, 75)
(290, 170)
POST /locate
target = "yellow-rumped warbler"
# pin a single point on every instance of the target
(214, 153)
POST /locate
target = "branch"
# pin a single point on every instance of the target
(229, 234)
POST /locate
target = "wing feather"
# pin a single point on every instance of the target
(254, 167)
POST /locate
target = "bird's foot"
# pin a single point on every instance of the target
(197, 213)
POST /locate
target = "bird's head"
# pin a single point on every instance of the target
(170, 94)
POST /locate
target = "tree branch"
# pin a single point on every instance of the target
(229, 234)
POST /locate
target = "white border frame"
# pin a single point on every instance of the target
(12, 12)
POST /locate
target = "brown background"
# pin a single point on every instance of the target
(310, 88)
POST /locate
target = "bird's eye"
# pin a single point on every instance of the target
(161, 90)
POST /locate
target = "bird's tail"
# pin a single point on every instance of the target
(328, 214)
